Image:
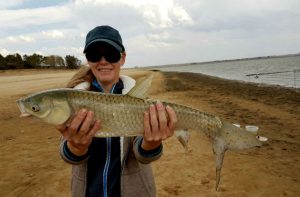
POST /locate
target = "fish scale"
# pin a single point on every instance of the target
(124, 114)
(118, 115)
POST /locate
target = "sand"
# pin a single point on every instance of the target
(30, 164)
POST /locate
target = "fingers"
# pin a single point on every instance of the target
(61, 127)
(94, 129)
(159, 122)
(162, 120)
(153, 121)
(77, 121)
(80, 130)
(172, 119)
(147, 127)
(87, 123)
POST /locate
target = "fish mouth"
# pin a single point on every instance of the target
(22, 109)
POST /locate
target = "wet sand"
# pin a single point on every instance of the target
(31, 166)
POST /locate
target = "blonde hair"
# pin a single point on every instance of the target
(84, 74)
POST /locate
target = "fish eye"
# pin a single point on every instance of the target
(35, 108)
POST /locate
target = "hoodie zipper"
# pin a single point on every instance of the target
(105, 172)
(108, 158)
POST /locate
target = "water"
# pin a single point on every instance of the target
(284, 71)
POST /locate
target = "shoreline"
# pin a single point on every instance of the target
(266, 85)
(296, 87)
(228, 60)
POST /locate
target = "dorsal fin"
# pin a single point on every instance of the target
(141, 87)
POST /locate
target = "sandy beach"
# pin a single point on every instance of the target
(30, 164)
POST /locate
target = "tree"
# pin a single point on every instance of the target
(14, 61)
(72, 62)
(33, 61)
(49, 61)
(3, 64)
(54, 61)
(60, 61)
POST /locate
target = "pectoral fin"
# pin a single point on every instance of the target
(183, 137)
(219, 150)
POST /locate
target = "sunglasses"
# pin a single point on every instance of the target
(95, 55)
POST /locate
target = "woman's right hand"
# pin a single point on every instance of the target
(79, 131)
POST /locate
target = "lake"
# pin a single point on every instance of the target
(284, 71)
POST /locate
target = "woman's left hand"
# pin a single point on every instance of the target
(159, 124)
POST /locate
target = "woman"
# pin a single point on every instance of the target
(117, 166)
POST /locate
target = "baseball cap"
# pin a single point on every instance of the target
(105, 34)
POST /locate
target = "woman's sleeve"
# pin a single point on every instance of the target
(146, 156)
(68, 156)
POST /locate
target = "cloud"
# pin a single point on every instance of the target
(4, 52)
(157, 31)
(247, 15)
(20, 38)
(56, 34)
(156, 13)
(161, 14)
(25, 18)
(8, 4)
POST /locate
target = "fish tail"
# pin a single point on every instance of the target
(238, 138)
(231, 137)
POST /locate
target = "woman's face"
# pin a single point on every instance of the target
(105, 63)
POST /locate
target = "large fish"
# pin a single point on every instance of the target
(122, 115)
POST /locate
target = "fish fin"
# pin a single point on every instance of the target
(219, 150)
(141, 88)
(183, 137)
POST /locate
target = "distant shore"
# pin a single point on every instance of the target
(220, 61)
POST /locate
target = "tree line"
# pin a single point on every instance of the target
(16, 61)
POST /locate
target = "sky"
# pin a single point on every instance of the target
(154, 32)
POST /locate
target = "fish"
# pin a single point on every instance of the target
(122, 115)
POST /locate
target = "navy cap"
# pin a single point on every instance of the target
(105, 34)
